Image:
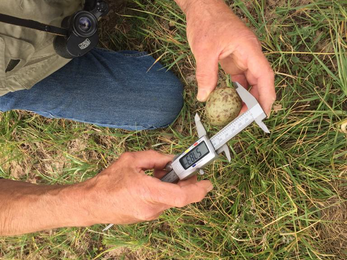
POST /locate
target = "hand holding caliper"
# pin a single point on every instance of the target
(205, 150)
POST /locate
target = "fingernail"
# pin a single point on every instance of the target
(202, 95)
(268, 112)
(210, 188)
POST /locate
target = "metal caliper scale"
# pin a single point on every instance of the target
(205, 150)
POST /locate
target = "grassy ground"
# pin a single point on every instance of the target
(283, 196)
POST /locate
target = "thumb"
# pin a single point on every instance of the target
(206, 74)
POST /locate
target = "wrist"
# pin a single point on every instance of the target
(80, 198)
(202, 15)
(67, 206)
(190, 6)
(185, 5)
(95, 201)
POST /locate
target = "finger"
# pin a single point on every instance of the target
(232, 65)
(175, 195)
(258, 74)
(145, 160)
(266, 92)
(157, 215)
(255, 92)
(241, 79)
(206, 74)
(191, 180)
(261, 77)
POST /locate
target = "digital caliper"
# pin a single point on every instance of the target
(205, 150)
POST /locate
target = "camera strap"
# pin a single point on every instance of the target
(33, 25)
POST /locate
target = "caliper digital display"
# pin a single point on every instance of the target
(194, 155)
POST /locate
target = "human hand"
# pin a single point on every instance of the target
(215, 36)
(124, 194)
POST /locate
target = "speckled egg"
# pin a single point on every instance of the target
(223, 106)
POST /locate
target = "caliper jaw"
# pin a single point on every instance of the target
(226, 150)
(259, 121)
(199, 126)
(251, 102)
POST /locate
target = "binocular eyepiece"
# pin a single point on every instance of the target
(82, 30)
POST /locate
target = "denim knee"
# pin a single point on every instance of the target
(105, 88)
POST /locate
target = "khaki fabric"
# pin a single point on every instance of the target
(34, 49)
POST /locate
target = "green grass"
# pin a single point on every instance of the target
(270, 202)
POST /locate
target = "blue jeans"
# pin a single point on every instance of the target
(113, 89)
